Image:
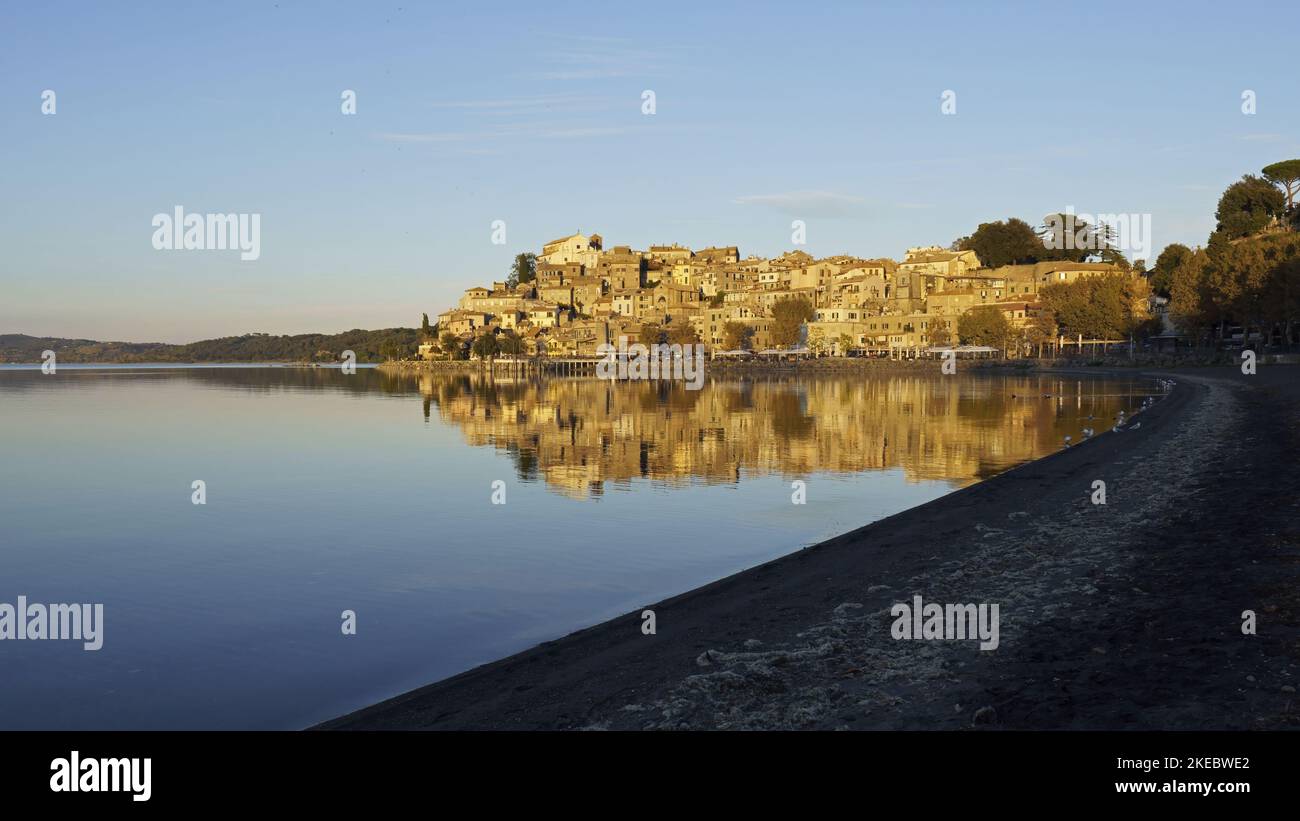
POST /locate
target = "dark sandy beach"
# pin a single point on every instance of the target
(1122, 616)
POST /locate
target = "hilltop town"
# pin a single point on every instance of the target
(580, 295)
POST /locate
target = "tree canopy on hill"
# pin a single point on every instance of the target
(522, 270)
(1253, 282)
(1003, 243)
(1062, 237)
(1248, 274)
(1287, 175)
(1248, 206)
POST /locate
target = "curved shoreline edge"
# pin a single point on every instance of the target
(1087, 595)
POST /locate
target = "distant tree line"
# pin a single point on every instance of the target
(369, 346)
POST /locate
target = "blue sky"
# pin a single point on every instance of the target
(531, 114)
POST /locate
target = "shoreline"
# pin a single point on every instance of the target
(839, 365)
(828, 364)
(1118, 616)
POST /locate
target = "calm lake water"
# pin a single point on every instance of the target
(373, 493)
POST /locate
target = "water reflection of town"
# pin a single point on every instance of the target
(578, 435)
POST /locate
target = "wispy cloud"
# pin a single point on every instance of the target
(806, 203)
(585, 57)
(1262, 138)
(523, 106)
(547, 132)
(392, 137)
(545, 116)
(567, 133)
(585, 73)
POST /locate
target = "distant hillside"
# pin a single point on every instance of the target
(370, 346)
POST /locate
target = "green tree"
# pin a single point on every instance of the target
(1189, 303)
(392, 350)
(1003, 243)
(1248, 206)
(486, 346)
(1283, 297)
(984, 325)
(1109, 306)
(452, 346)
(651, 334)
(1162, 276)
(683, 333)
(1287, 175)
(522, 270)
(788, 316)
(1068, 238)
(425, 330)
(817, 342)
(1108, 250)
(1252, 282)
(511, 344)
(737, 336)
(1041, 329)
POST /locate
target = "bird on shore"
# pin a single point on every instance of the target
(1067, 441)
(1087, 433)
(1135, 426)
